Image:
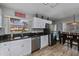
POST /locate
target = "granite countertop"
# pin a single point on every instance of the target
(6, 40)
(7, 37)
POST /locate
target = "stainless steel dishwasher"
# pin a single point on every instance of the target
(35, 43)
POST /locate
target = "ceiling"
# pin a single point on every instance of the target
(55, 10)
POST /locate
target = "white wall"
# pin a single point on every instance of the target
(61, 27)
(8, 12)
(11, 12)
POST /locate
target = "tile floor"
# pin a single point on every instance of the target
(57, 50)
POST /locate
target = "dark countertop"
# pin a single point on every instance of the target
(7, 37)
(1, 41)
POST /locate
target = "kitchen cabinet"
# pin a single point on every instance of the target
(21, 47)
(44, 41)
(4, 49)
(39, 23)
(36, 23)
(42, 23)
(26, 47)
(16, 48)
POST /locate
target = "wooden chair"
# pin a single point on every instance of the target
(75, 41)
(60, 37)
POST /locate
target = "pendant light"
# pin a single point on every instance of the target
(74, 23)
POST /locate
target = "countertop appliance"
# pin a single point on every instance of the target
(35, 43)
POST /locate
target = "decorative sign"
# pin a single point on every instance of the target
(19, 14)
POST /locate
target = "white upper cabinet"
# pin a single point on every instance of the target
(40, 23)
(0, 17)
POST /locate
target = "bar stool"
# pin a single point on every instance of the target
(64, 37)
(69, 38)
(75, 40)
(60, 37)
(78, 41)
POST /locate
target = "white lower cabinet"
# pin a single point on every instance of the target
(16, 48)
(44, 41)
(26, 47)
(4, 49)
(15, 51)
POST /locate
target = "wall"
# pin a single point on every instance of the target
(7, 12)
(61, 23)
(52, 27)
(11, 12)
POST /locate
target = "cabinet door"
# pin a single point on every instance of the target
(4, 49)
(16, 48)
(27, 46)
(34, 24)
(38, 23)
(42, 24)
(44, 41)
(20, 47)
(15, 51)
